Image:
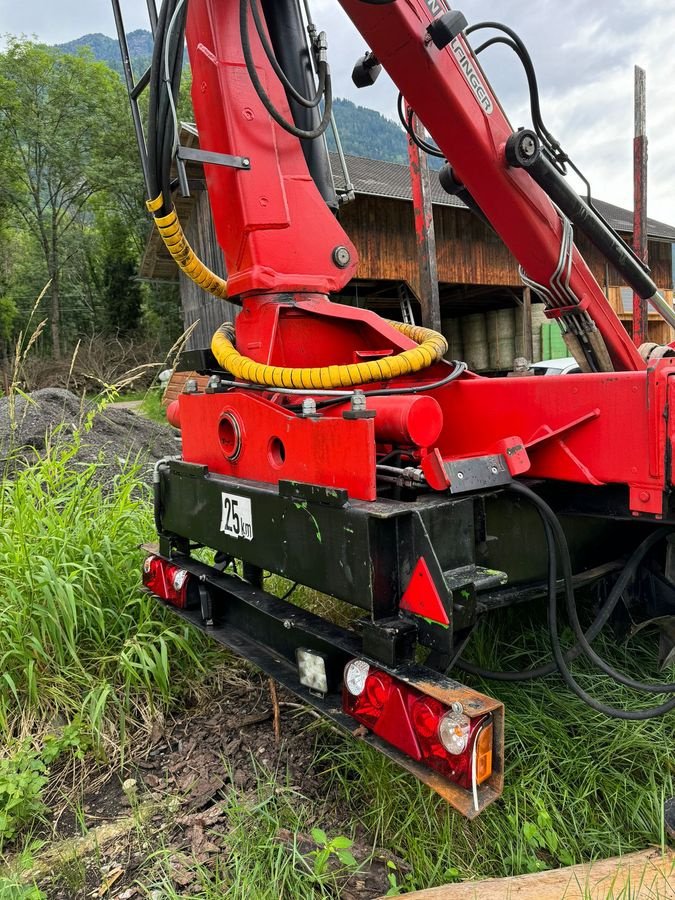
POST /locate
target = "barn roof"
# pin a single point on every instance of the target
(376, 178)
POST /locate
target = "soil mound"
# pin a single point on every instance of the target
(53, 416)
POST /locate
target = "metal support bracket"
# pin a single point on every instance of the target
(191, 154)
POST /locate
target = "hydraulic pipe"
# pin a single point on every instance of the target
(586, 220)
(286, 30)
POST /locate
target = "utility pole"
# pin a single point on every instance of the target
(424, 229)
(640, 235)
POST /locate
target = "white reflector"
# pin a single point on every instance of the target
(312, 670)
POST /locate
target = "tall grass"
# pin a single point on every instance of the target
(77, 636)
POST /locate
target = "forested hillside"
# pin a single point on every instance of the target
(105, 49)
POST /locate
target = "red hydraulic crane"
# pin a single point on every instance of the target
(341, 450)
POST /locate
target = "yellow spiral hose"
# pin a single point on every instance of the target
(176, 243)
(432, 348)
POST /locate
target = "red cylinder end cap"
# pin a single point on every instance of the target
(173, 414)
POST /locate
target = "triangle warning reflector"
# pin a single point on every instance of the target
(394, 726)
(421, 597)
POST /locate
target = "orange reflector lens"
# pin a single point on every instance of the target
(484, 754)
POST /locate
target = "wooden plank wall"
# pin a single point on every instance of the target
(468, 251)
(208, 311)
(383, 231)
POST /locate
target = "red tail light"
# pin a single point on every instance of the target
(169, 582)
(440, 737)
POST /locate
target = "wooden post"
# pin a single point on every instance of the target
(528, 337)
(424, 231)
(640, 235)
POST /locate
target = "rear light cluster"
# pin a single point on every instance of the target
(440, 737)
(167, 581)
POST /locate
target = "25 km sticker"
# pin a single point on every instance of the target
(237, 521)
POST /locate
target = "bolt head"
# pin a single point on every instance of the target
(342, 257)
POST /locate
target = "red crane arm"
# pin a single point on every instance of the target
(277, 233)
(451, 95)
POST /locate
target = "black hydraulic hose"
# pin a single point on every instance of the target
(171, 88)
(517, 44)
(281, 75)
(155, 95)
(262, 94)
(599, 661)
(157, 507)
(627, 575)
(407, 124)
(555, 537)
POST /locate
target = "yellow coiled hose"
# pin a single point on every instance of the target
(431, 348)
(177, 244)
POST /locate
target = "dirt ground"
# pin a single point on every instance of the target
(179, 788)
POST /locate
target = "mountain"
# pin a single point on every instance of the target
(363, 131)
(105, 49)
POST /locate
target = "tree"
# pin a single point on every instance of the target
(66, 138)
(121, 292)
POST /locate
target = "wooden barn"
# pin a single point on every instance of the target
(481, 294)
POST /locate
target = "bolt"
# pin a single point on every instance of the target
(645, 496)
(495, 470)
(457, 708)
(309, 407)
(191, 386)
(288, 624)
(246, 162)
(358, 401)
(214, 383)
(341, 257)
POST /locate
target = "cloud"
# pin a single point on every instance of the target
(584, 53)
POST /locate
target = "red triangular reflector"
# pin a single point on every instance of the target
(395, 727)
(421, 597)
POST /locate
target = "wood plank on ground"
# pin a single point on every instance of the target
(649, 875)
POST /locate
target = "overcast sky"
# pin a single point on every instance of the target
(584, 52)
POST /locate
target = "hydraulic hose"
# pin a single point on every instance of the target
(178, 246)
(627, 575)
(556, 540)
(431, 348)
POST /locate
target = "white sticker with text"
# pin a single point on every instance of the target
(237, 521)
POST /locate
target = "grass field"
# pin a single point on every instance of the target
(86, 660)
